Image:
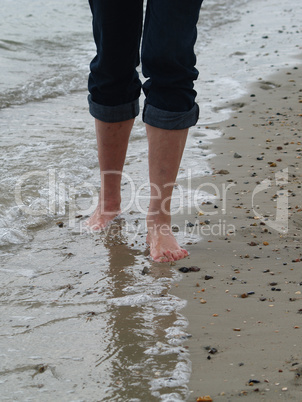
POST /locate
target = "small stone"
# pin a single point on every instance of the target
(184, 269)
(252, 382)
(253, 244)
(202, 301)
(222, 171)
(205, 398)
(208, 277)
(193, 268)
(145, 271)
(236, 155)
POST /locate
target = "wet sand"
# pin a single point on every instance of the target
(80, 321)
(244, 305)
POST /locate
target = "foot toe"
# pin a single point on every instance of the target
(160, 259)
(170, 255)
(178, 255)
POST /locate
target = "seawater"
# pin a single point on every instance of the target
(79, 320)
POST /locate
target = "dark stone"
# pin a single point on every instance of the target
(184, 269)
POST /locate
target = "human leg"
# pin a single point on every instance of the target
(112, 141)
(113, 83)
(114, 89)
(169, 64)
(166, 147)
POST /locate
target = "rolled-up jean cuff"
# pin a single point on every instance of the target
(113, 114)
(170, 120)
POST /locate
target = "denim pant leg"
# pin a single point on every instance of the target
(168, 61)
(113, 83)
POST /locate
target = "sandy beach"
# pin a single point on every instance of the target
(88, 316)
(80, 323)
(244, 305)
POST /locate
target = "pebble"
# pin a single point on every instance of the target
(253, 244)
(190, 225)
(193, 268)
(208, 277)
(184, 269)
(236, 155)
(205, 398)
(145, 271)
(222, 171)
(252, 382)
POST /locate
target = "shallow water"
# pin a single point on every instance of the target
(79, 321)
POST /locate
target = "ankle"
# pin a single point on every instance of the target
(158, 219)
(159, 226)
(109, 204)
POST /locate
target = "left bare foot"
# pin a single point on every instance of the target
(163, 245)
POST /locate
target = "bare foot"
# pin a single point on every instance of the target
(163, 245)
(100, 219)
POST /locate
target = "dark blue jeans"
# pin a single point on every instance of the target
(168, 61)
